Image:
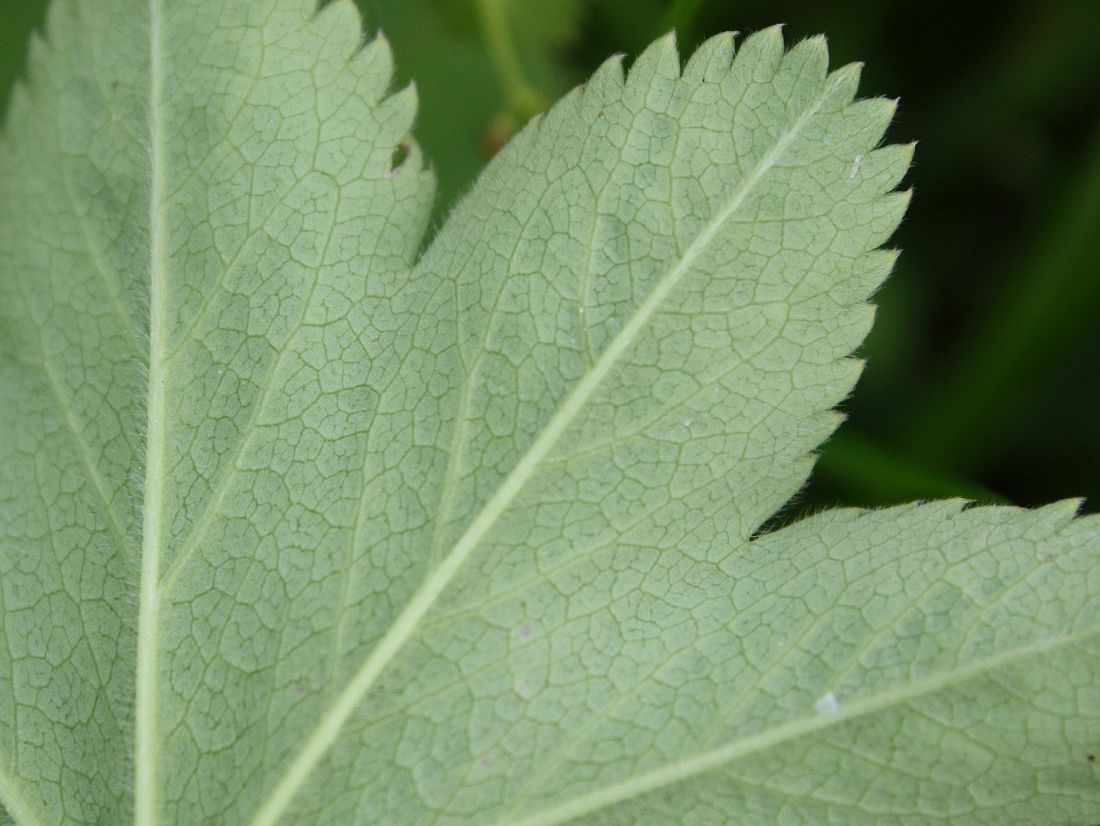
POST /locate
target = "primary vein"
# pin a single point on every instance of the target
(145, 730)
(331, 724)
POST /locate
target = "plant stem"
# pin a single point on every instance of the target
(1051, 301)
(523, 100)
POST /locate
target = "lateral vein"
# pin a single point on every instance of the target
(15, 804)
(715, 758)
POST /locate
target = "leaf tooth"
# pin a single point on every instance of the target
(842, 85)
(712, 60)
(882, 169)
(817, 427)
(859, 361)
(373, 66)
(62, 19)
(869, 118)
(832, 418)
(40, 53)
(608, 80)
(35, 87)
(858, 320)
(659, 62)
(760, 54)
(889, 209)
(799, 78)
(565, 107)
(1055, 517)
(373, 63)
(849, 368)
(946, 508)
(1086, 526)
(1043, 522)
(343, 23)
(867, 274)
(603, 89)
(398, 112)
(808, 57)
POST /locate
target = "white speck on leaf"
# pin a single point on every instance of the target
(827, 704)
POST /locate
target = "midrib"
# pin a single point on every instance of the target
(145, 729)
(328, 729)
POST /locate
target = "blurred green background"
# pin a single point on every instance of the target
(983, 376)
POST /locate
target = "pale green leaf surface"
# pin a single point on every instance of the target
(299, 529)
(198, 193)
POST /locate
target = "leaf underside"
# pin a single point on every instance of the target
(298, 525)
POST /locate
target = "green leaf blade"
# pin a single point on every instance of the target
(232, 156)
(900, 687)
(558, 306)
(292, 229)
(72, 226)
(298, 527)
(639, 268)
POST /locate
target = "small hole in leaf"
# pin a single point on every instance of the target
(397, 159)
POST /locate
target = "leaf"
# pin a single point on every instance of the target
(298, 528)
